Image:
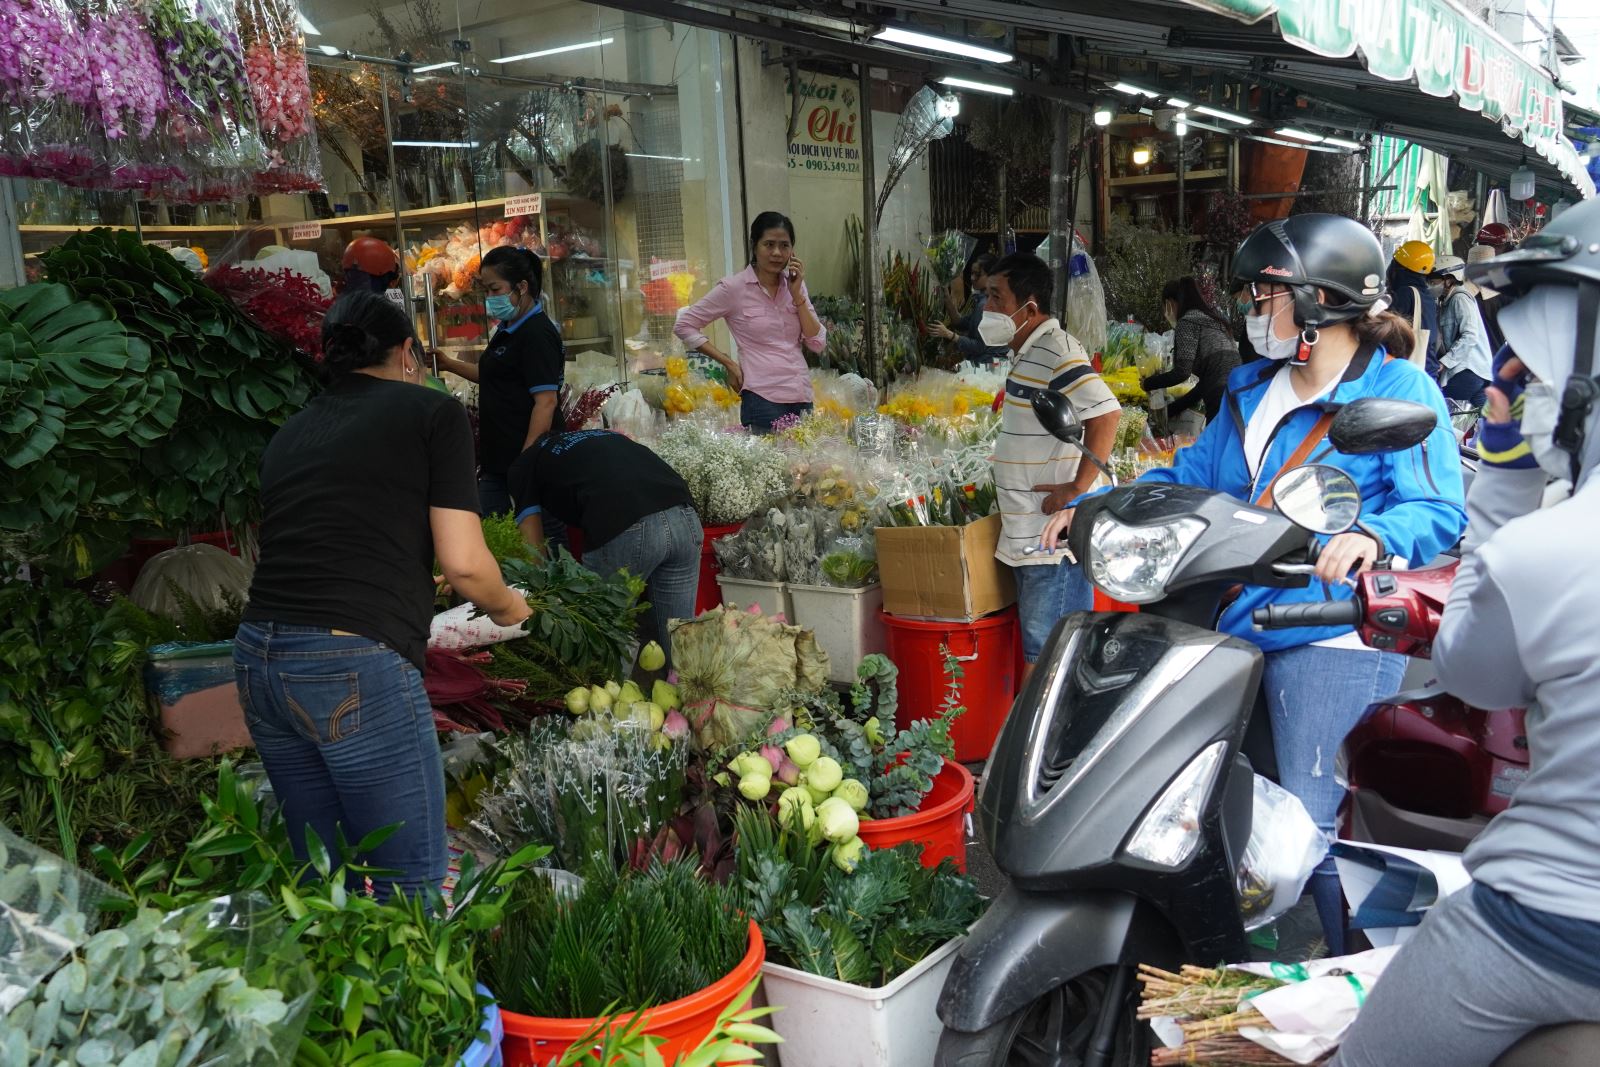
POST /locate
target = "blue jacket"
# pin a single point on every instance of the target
(1413, 500)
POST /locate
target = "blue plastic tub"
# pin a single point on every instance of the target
(483, 1053)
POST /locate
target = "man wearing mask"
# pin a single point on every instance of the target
(1464, 362)
(1034, 473)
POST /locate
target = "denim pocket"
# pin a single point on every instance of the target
(326, 707)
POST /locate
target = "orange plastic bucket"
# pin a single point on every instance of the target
(1105, 603)
(939, 825)
(708, 594)
(986, 649)
(532, 1041)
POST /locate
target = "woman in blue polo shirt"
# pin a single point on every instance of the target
(519, 375)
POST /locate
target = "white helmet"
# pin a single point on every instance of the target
(1449, 267)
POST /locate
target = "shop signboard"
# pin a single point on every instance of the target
(305, 231)
(1442, 47)
(827, 135)
(530, 204)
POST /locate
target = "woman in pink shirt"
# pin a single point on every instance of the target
(772, 321)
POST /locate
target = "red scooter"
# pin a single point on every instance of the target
(1426, 770)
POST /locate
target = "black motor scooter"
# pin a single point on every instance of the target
(1118, 799)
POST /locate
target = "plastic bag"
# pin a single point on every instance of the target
(628, 412)
(131, 99)
(49, 907)
(220, 981)
(948, 253)
(466, 626)
(1086, 299)
(210, 576)
(1284, 847)
(850, 561)
(47, 97)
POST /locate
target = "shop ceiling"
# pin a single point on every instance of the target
(1069, 50)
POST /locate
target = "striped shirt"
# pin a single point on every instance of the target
(1026, 454)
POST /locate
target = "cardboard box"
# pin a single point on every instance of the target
(944, 572)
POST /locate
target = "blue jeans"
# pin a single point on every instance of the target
(1045, 593)
(664, 550)
(347, 736)
(1316, 696)
(758, 413)
(1464, 385)
(494, 495)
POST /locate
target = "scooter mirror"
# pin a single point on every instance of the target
(1055, 414)
(1376, 424)
(1317, 497)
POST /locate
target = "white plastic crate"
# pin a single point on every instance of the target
(848, 624)
(771, 597)
(829, 1023)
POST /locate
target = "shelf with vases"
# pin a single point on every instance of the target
(1168, 178)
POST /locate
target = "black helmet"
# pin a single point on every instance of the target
(1566, 252)
(1311, 252)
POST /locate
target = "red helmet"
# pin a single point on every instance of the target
(371, 255)
(1496, 234)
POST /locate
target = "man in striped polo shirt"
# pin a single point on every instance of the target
(1035, 473)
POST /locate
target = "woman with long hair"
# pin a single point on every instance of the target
(1202, 346)
(1317, 316)
(769, 313)
(360, 492)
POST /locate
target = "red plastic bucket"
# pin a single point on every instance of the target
(939, 825)
(532, 1041)
(986, 649)
(708, 594)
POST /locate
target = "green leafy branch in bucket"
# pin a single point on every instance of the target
(729, 1041)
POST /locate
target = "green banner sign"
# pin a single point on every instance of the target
(1439, 45)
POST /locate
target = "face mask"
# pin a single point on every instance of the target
(1259, 329)
(1541, 409)
(996, 329)
(1437, 289)
(500, 307)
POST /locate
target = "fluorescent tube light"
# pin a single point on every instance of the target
(1178, 101)
(330, 50)
(308, 29)
(1299, 135)
(436, 144)
(554, 51)
(1340, 142)
(1134, 90)
(1226, 116)
(978, 87)
(646, 155)
(433, 67)
(914, 39)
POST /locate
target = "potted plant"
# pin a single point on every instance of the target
(664, 948)
(856, 958)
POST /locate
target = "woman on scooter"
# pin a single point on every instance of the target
(1316, 314)
(1520, 949)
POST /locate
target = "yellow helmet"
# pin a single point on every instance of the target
(1415, 255)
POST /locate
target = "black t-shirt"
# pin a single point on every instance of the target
(522, 360)
(346, 485)
(596, 480)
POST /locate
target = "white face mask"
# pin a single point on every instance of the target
(996, 329)
(1541, 410)
(1259, 329)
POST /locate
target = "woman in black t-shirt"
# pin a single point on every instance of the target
(519, 375)
(360, 492)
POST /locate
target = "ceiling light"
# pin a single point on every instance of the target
(948, 106)
(308, 29)
(1133, 90)
(913, 39)
(1340, 142)
(434, 66)
(1103, 111)
(1180, 125)
(330, 50)
(1178, 101)
(1299, 135)
(435, 144)
(1521, 186)
(978, 87)
(1227, 116)
(1141, 156)
(554, 51)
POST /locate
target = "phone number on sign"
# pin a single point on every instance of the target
(825, 164)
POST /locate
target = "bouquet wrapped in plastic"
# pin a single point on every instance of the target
(280, 86)
(47, 94)
(48, 908)
(131, 99)
(948, 253)
(733, 666)
(730, 475)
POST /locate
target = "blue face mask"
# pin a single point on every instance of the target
(500, 307)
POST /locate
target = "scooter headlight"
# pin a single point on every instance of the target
(1170, 831)
(1134, 563)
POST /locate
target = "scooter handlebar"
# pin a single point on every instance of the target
(1314, 613)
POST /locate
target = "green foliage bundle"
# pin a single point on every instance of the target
(730, 1040)
(219, 387)
(79, 758)
(582, 628)
(396, 976)
(1136, 264)
(623, 942)
(866, 927)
